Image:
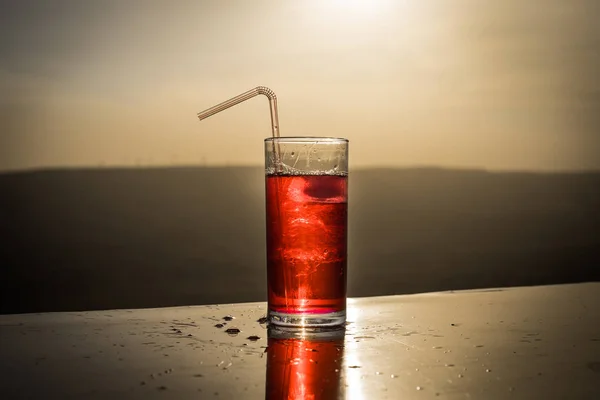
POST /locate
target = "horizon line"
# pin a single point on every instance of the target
(71, 168)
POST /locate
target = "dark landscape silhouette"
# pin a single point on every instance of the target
(127, 238)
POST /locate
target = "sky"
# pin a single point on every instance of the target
(498, 85)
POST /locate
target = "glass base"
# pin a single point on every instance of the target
(307, 320)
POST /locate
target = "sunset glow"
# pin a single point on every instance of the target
(500, 86)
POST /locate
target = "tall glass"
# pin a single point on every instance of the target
(307, 225)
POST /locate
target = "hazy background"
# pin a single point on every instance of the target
(474, 156)
(489, 84)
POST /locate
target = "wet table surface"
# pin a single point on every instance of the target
(537, 342)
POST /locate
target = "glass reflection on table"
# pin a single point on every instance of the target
(304, 363)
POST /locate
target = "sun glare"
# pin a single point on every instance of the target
(356, 7)
(355, 3)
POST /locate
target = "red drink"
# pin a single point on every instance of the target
(307, 246)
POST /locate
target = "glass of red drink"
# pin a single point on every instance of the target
(305, 366)
(307, 224)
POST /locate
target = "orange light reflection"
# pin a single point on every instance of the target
(303, 364)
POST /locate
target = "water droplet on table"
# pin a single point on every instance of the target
(232, 331)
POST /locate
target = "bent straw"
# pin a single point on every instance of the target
(274, 124)
(243, 97)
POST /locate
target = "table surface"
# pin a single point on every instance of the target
(535, 342)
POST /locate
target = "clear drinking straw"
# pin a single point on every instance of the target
(243, 97)
(274, 126)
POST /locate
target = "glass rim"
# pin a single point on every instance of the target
(307, 139)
